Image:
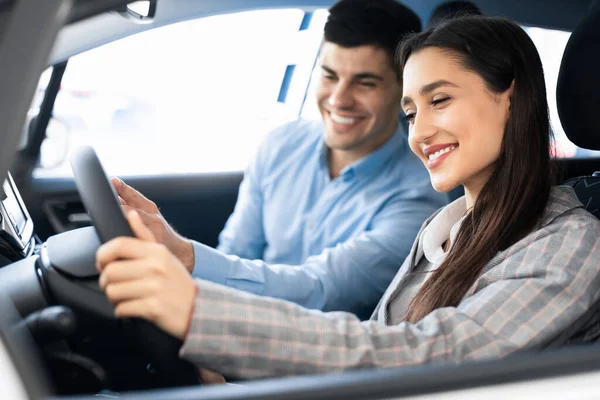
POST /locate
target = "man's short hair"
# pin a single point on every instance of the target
(381, 23)
(451, 10)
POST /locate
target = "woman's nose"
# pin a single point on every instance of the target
(422, 128)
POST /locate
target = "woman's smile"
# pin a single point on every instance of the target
(436, 154)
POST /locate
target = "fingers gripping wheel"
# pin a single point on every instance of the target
(100, 200)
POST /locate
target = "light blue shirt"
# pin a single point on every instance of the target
(329, 244)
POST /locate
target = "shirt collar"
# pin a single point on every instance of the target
(444, 226)
(440, 228)
(372, 162)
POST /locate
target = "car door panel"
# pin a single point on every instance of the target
(196, 205)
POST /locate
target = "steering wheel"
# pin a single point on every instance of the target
(100, 200)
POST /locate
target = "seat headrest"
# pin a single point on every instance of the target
(452, 9)
(578, 86)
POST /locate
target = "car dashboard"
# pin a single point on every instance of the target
(17, 238)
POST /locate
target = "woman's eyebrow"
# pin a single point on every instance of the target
(430, 87)
(426, 89)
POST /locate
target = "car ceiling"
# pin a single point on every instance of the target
(105, 28)
(81, 8)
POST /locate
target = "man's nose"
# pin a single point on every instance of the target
(341, 96)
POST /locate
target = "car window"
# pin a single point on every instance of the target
(196, 96)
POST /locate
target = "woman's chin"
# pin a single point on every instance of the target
(443, 186)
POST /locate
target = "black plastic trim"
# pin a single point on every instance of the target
(43, 118)
(90, 8)
(400, 382)
(27, 159)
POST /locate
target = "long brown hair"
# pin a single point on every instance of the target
(512, 202)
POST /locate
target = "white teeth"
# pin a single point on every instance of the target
(342, 120)
(440, 152)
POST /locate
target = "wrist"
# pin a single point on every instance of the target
(190, 315)
(185, 254)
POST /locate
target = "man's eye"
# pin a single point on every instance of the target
(368, 84)
(329, 77)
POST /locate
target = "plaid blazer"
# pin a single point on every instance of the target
(540, 292)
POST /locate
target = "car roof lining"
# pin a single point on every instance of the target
(105, 28)
(108, 27)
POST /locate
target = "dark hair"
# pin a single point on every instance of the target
(512, 202)
(382, 23)
(451, 10)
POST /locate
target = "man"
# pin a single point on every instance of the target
(327, 210)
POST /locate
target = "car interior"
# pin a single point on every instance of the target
(56, 323)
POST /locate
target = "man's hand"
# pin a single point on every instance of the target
(143, 279)
(131, 199)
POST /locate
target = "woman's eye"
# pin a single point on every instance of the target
(410, 117)
(439, 101)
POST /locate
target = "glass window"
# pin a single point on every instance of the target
(197, 96)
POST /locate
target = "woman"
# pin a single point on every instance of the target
(512, 265)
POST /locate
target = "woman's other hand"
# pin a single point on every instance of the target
(209, 377)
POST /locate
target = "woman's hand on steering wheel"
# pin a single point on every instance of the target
(143, 279)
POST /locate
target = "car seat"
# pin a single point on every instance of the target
(452, 9)
(578, 101)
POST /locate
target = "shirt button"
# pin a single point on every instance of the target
(310, 225)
